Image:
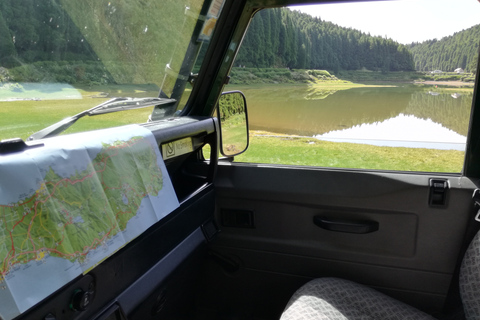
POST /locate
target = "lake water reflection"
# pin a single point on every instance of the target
(405, 115)
(401, 131)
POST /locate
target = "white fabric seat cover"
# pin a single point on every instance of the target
(338, 299)
(470, 280)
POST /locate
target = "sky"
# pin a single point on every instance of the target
(405, 21)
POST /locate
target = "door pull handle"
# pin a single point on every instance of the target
(347, 226)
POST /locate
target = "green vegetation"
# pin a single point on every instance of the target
(280, 149)
(453, 114)
(231, 104)
(32, 32)
(459, 50)
(279, 75)
(287, 111)
(450, 76)
(233, 122)
(234, 134)
(23, 117)
(284, 38)
(92, 42)
(371, 76)
(244, 75)
(86, 42)
(240, 76)
(97, 44)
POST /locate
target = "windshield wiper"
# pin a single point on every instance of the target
(112, 105)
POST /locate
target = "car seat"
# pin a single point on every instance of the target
(339, 299)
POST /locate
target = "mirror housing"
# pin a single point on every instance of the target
(233, 121)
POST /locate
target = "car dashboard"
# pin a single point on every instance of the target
(154, 274)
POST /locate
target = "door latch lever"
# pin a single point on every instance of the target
(476, 202)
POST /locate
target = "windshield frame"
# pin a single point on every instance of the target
(185, 75)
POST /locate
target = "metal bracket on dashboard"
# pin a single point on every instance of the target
(9, 146)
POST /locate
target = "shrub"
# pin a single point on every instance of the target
(469, 78)
(447, 77)
(318, 73)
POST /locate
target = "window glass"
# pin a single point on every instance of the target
(59, 58)
(353, 86)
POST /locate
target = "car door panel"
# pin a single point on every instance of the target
(412, 256)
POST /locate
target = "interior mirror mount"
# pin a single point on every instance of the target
(233, 120)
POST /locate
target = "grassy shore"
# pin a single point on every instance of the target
(270, 148)
(248, 76)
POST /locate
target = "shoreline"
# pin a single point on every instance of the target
(447, 83)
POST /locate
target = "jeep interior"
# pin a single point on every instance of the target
(174, 224)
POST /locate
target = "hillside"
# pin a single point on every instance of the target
(459, 50)
(91, 41)
(281, 38)
(58, 42)
(30, 32)
(285, 38)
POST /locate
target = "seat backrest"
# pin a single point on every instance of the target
(470, 280)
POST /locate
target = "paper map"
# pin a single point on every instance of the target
(72, 203)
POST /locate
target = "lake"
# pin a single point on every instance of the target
(402, 114)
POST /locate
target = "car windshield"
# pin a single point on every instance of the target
(59, 58)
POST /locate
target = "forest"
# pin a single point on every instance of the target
(285, 38)
(39, 41)
(34, 30)
(90, 41)
(459, 50)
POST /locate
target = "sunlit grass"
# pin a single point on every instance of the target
(312, 152)
(344, 85)
(20, 119)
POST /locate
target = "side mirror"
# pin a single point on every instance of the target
(232, 116)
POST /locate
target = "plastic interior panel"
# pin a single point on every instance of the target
(412, 255)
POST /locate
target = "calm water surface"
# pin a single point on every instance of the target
(405, 115)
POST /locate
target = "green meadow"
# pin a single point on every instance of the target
(21, 118)
(302, 151)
